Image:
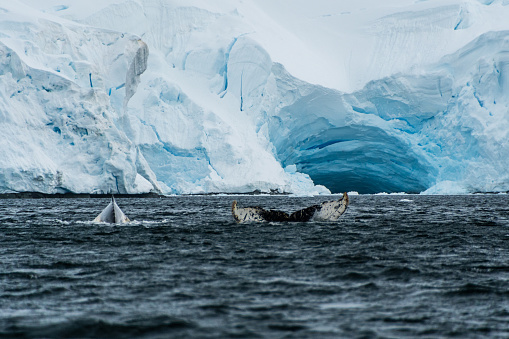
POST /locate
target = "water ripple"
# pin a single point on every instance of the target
(392, 266)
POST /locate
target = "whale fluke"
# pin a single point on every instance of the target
(112, 214)
(326, 211)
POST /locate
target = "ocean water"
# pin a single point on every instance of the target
(392, 267)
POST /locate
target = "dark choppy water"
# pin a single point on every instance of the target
(393, 266)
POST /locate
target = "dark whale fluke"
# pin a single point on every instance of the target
(112, 214)
(326, 211)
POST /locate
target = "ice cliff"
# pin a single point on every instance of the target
(131, 96)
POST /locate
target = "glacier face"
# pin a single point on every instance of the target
(58, 126)
(197, 97)
(93, 110)
(442, 131)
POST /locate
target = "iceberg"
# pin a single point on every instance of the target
(178, 97)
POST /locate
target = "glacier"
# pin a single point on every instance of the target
(187, 97)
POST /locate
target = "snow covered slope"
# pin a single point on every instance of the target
(201, 96)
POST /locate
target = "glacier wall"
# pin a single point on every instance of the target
(92, 110)
(442, 131)
(59, 82)
(186, 97)
(352, 142)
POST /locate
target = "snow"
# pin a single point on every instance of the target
(197, 96)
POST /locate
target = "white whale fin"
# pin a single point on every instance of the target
(112, 214)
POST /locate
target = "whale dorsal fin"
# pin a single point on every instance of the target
(112, 214)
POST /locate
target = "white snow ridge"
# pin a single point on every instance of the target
(197, 96)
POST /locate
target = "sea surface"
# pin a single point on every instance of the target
(393, 266)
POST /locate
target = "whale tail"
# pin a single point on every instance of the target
(326, 211)
(112, 214)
